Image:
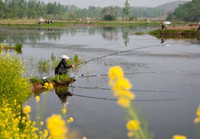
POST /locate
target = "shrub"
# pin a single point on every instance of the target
(12, 81)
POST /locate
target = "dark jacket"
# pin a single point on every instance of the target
(62, 67)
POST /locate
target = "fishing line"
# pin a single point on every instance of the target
(133, 90)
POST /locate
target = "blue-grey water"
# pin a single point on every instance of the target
(166, 80)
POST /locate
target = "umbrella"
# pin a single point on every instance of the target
(167, 23)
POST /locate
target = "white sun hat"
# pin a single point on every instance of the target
(64, 56)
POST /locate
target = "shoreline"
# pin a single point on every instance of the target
(67, 23)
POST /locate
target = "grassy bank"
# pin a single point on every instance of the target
(175, 33)
(64, 23)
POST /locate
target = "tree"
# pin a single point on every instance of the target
(126, 9)
(109, 13)
(189, 11)
(3, 10)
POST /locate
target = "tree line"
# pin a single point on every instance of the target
(189, 11)
(36, 9)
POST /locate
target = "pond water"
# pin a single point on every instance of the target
(165, 77)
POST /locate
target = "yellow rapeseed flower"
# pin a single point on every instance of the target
(45, 133)
(48, 86)
(124, 93)
(197, 119)
(115, 73)
(37, 98)
(124, 102)
(64, 110)
(179, 137)
(27, 109)
(70, 120)
(56, 127)
(198, 111)
(41, 123)
(84, 138)
(132, 125)
(122, 84)
(130, 134)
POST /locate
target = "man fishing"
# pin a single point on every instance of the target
(62, 67)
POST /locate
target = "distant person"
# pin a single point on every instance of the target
(198, 29)
(162, 26)
(62, 67)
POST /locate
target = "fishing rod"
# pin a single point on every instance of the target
(137, 100)
(120, 52)
(131, 73)
(133, 90)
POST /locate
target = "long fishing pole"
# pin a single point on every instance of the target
(120, 52)
(131, 73)
(134, 90)
(138, 100)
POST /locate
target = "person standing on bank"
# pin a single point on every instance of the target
(62, 67)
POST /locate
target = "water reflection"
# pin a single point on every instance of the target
(33, 35)
(125, 35)
(63, 94)
(109, 33)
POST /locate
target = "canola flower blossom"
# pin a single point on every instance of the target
(10, 121)
(56, 127)
(27, 109)
(121, 90)
(70, 120)
(37, 98)
(64, 110)
(132, 125)
(48, 86)
(179, 137)
(197, 119)
(120, 86)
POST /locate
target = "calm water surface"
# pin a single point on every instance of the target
(166, 80)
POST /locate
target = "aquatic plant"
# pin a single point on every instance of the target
(137, 127)
(139, 33)
(55, 63)
(43, 65)
(18, 48)
(53, 56)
